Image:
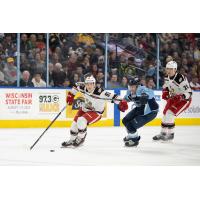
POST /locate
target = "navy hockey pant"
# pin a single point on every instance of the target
(132, 121)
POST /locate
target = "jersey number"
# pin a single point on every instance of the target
(185, 87)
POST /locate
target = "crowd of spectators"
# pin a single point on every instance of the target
(32, 71)
(137, 56)
(33, 60)
(71, 56)
(8, 61)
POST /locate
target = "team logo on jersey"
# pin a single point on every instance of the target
(78, 103)
(88, 104)
(99, 90)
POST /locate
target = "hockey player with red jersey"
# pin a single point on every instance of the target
(178, 96)
(91, 110)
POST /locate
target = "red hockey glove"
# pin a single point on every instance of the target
(165, 94)
(70, 98)
(123, 106)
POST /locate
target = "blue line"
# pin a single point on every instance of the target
(116, 110)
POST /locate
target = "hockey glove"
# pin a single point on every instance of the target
(165, 94)
(70, 98)
(123, 106)
(144, 98)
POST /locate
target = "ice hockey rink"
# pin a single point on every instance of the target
(103, 146)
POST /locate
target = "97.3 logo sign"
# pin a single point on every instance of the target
(49, 103)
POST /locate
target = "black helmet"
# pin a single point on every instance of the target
(134, 81)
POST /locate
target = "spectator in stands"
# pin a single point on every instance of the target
(75, 79)
(32, 42)
(25, 81)
(43, 56)
(41, 42)
(9, 46)
(101, 63)
(58, 76)
(40, 64)
(54, 58)
(10, 72)
(24, 46)
(24, 63)
(194, 83)
(37, 80)
(72, 62)
(113, 83)
(85, 63)
(79, 71)
(124, 82)
(94, 69)
(100, 78)
(150, 82)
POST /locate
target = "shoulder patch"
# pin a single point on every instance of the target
(98, 91)
(179, 78)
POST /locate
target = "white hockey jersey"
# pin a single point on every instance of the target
(178, 84)
(91, 103)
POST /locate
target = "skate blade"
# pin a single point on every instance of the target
(166, 142)
(71, 147)
(156, 140)
(134, 146)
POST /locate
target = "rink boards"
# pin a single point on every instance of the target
(24, 108)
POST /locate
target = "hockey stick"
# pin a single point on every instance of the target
(96, 96)
(48, 127)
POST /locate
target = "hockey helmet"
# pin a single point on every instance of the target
(134, 81)
(171, 65)
(90, 79)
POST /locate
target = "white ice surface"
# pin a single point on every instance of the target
(103, 146)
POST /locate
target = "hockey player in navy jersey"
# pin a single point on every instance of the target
(146, 109)
(178, 96)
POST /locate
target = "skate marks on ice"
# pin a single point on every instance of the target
(103, 146)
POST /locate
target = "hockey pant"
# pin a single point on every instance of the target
(171, 110)
(132, 121)
(81, 121)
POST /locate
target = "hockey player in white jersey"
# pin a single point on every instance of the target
(178, 94)
(91, 110)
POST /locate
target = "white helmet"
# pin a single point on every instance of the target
(90, 79)
(171, 65)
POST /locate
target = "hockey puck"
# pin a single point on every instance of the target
(52, 150)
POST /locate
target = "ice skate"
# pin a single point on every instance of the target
(131, 142)
(68, 143)
(78, 142)
(164, 137)
(158, 137)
